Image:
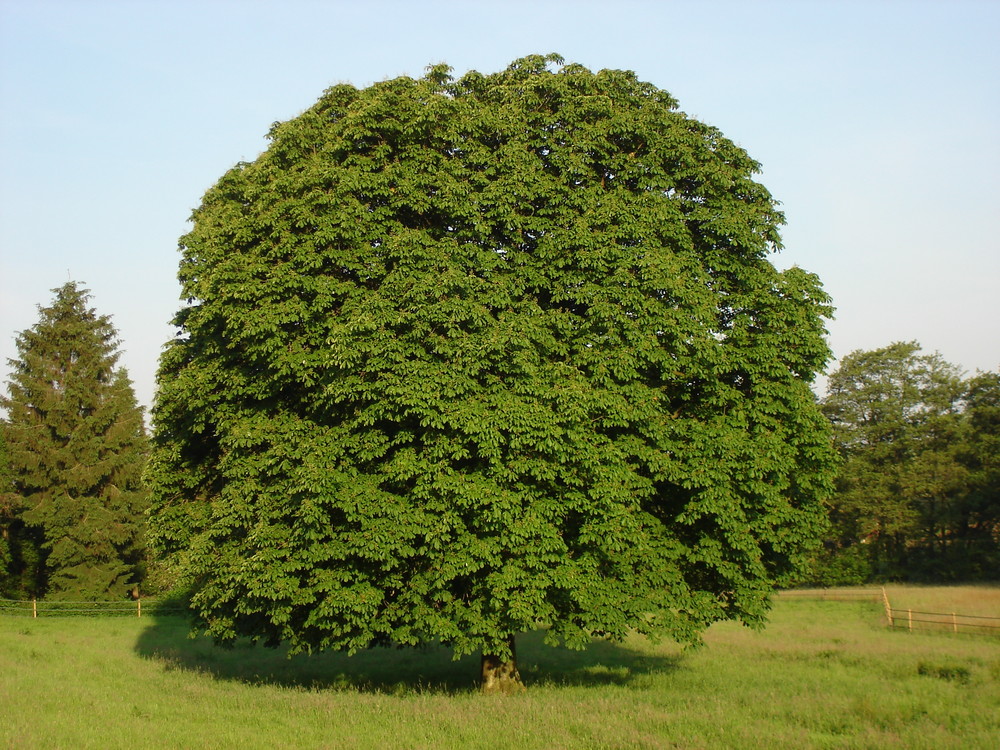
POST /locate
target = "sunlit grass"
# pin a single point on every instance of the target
(982, 600)
(823, 674)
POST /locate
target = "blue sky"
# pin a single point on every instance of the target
(877, 124)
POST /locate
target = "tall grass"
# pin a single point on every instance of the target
(980, 601)
(821, 675)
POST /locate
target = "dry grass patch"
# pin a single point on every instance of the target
(981, 600)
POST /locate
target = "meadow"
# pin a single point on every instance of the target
(822, 674)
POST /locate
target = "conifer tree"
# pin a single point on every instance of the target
(21, 554)
(76, 449)
(6, 517)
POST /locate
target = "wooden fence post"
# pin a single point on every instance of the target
(888, 609)
(138, 607)
(909, 620)
(34, 608)
(954, 623)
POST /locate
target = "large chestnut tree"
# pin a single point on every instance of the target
(463, 358)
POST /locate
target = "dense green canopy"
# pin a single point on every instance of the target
(464, 358)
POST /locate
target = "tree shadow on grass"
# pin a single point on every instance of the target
(392, 671)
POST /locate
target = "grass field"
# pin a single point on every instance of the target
(823, 674)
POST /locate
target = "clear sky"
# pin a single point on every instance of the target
(877, 124)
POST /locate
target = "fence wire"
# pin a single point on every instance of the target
(909, 619)
(861, 594)
(899, 619)
(904, 619)
(60, 608)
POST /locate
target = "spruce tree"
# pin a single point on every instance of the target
(76, 448)
(20, 546)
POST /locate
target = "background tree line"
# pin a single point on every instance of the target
(917, 498)
(917, 493)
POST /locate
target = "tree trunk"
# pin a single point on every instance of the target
(499, 676)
